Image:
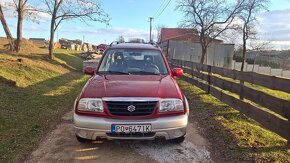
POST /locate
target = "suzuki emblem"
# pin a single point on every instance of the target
(131, 108)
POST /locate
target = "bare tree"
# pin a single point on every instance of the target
(121, 39)
(136, 40)
(258, 45)
(20, 10)
(248, 17)
(158, 28)
(6, 29)
(64, 10)
(210, 18)
(23, 10)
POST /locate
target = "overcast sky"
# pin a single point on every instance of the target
(130, 19)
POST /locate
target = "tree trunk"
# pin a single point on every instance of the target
(51, 41)
(7, 30)
(19, 25)
(203, 46)
(244, 60)
(244, 52)
(203, 59)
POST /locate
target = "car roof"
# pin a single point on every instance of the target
(135, 45)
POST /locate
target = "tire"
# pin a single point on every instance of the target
(83, 140)
(178, 140)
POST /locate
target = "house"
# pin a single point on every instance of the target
(37, 39)
(181, 34)
(40, 42)
(184, 44)
(178, 34)
(57, 45)
(70, 44)
(87, 47)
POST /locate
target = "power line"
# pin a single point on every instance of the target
(157, 11)
(163, 9)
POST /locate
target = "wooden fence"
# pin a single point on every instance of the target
(214, 80)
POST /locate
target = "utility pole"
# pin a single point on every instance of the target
(150, 19)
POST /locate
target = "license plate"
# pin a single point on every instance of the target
(126, 128)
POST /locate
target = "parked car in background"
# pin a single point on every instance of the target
(132, 94)
(102, 47)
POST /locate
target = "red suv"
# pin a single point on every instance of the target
(132, 94)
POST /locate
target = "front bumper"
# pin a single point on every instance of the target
(97, 127)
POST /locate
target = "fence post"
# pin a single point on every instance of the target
(209, 79)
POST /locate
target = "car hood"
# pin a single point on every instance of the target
(163, 86)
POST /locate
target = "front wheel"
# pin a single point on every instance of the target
(83, 140)
(178, 140)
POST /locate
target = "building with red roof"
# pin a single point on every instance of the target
(181, 34)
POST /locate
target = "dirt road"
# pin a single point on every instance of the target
(61, 146)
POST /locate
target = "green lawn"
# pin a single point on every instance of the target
(234, 136)
(43, 91)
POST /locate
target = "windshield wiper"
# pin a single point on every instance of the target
(114, 72)
(147, 73)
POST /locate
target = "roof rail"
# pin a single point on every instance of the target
(154, 44)
(113, 43)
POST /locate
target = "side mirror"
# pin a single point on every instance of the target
(89, 71)
(177, 72)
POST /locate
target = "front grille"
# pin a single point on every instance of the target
(137, 134)
(120, 108)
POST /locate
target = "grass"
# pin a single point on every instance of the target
(234, 136)
(275, 93)
(34, 94)
(279, 94)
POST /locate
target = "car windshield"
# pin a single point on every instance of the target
(133, 61)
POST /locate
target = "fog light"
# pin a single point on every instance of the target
(82, 133)
(178, 133)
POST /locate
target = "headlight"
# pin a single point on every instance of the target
(91, 104)
(171, 105)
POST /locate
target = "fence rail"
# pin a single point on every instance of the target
(216, 80)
